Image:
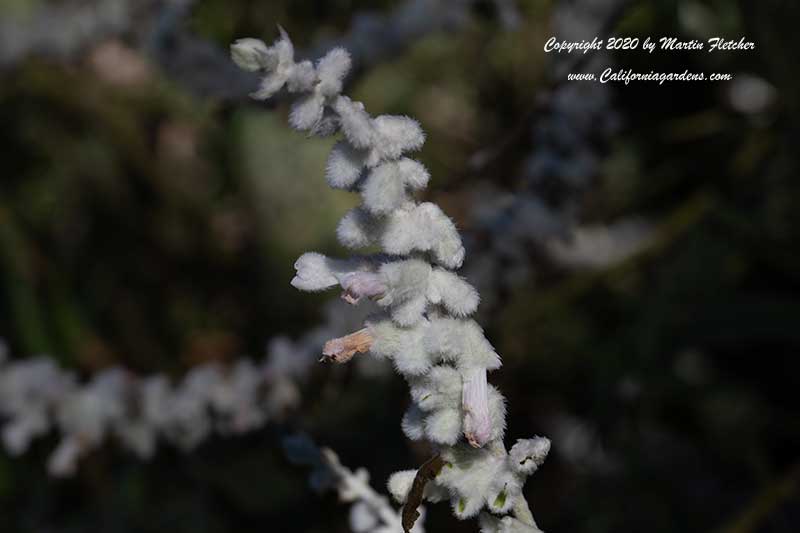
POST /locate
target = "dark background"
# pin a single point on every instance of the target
(150, 216)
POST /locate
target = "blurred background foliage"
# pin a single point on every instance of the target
(144, 224)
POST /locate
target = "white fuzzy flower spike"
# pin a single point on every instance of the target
(424, 326)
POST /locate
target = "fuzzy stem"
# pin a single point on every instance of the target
(522, 512)
(359, 487)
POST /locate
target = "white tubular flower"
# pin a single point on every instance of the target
(475, 402)
(313, 273)
(437, 413)
(358, 285)
(308, 111)
(316, 272)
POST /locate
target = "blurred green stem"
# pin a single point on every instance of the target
(27, 316)
(765, 503)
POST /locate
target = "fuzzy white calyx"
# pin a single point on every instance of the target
(358, 229)
(400, 483)
(326, 81)
(403, 346)
(527, 455)
(453, 292)
(278, 63)
(423, 228)
(462, 342)
(344, 167)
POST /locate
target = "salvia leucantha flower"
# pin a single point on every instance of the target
(423, 325)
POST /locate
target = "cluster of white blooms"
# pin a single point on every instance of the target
(37, 397)
(370, 512)
(422, 324)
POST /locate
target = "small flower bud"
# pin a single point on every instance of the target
(527, 455)
(250, 54)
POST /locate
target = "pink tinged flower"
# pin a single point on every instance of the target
(342, 349)
(358, 285)
(475, 402)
